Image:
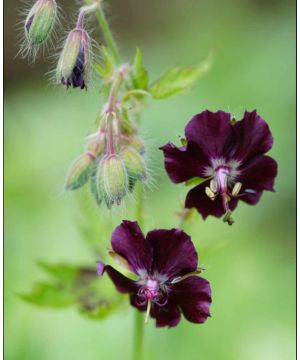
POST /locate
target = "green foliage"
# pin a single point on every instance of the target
(178, 79)
(195, 181)
(74, 286)
(140, 75)
(106, 69)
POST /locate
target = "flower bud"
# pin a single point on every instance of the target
(134, 163)
(137, 144)
(74, 63)
(40, 21)
(79, 171)
(112, 179)
(94, 186)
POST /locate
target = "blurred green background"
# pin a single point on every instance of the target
(251, 265)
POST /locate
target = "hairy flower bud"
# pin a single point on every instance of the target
(134, 163)
(112, 179)
(95, 145)
(137, 144)
(74, 63)
(40, 21)
(79, 171)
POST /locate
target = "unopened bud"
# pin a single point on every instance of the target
(74, 63)
(95, 145)
(40, 21)
(137, 144)
(112, 179)
(79, 171)
(94, 187)
(134, 163)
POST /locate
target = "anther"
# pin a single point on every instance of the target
(209, 193)
(236, 189)
(213, 185)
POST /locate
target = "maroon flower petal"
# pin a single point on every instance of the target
(129, 242)
(212, 132)
(121, 282)
(183, 163)
(197, 198)
(257, 176)
(193, 295)
(252, 137)
(168, 315)
(174, 253)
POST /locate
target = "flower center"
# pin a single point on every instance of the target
(150, 292)
(223, 176)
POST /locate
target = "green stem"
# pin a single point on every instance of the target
(107, 34)
(140, 204)
(138, 335)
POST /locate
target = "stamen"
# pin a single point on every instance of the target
(209, 193)
(213, 185)
(236, 189)
(147, 312)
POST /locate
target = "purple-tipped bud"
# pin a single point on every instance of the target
(74, 63)
(40, 21)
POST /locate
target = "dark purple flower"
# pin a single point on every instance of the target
(74, 63)
(228, 156)
(166, 265)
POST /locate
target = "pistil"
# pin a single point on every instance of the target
(148, 311)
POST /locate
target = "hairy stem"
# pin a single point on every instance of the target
(113, 95)
(108, 37)
(83, 11)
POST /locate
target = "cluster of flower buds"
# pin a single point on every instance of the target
(114, 158)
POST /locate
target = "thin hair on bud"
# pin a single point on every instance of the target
(26, 49)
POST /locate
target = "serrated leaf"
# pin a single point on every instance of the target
(178, 79)
(78, 286)
(140, 75)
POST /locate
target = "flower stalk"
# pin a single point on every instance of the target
(138, 336)
(108, 37)
(85, 10)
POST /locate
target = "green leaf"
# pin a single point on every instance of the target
(79, 286)
(140, 75)
(195, 181)
(106, 68)
(138, 93)
(178, 79)
(48, 295)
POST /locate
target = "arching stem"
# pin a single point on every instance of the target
(108, 37)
